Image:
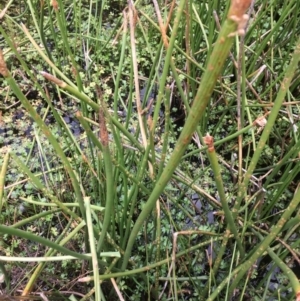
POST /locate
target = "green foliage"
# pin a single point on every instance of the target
(132, 194)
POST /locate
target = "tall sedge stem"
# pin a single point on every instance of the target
(211, 152)
(10, 80)
(269, 125)
(110, 187)
(285, 269)
(210, 77)
(43, 241)
(240, 271)
(2, 179)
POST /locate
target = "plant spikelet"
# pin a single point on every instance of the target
(3, 68)
(238, 8)
(103, 133)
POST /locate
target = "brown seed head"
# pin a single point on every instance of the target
(209, 141)
(238, 8)
(54, 3)
(3, 68)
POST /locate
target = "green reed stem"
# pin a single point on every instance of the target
(61, 240)
(284, 268)
(92, 247)
(41, 187)
(210, 77)
(211, 153)
(36, 117)
(290, 71)
(2, 179)
(41, 240)
(109, 200)
(240, 271)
